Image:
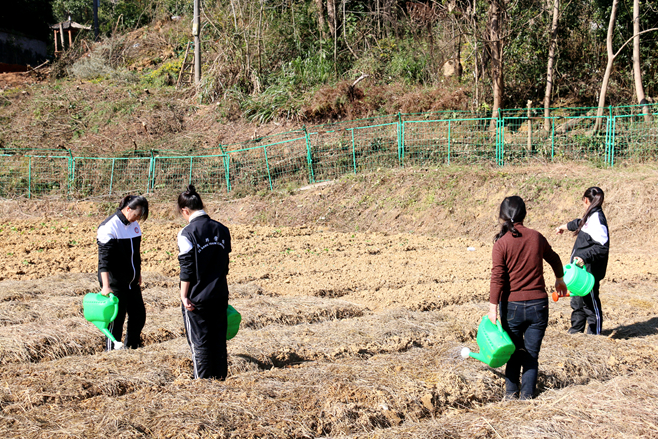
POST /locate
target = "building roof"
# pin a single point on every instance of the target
(68, 24)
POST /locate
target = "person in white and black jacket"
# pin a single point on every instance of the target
(204, 246)
(591, 251)
(119, 267)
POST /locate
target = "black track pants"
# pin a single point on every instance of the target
(587, 312)
(206, 334)
(131, 303)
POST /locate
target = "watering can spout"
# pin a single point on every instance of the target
(478, 356)
(101, 311)
(104, 330)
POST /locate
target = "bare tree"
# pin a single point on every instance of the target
(611, 58)
(637, 71)
(608, 67)
(495, 18)
(332, 17)
(551, 65)
(320, 11)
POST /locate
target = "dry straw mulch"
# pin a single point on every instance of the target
(305, 367)
(337, 377)
(624, 407)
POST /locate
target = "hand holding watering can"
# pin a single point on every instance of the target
(561, 289)
(579, 281)
(496, 346)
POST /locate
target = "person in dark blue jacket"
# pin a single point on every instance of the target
(591, 251)
(204, 246)
(119, 267)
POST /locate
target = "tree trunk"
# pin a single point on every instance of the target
(458, 66)
(608, 67)
(550, 68)
(320, 9)
(637, 71)
(495, 28)
(331, 17)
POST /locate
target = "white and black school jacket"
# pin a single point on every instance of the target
(119, 252)
(592, 243)
(204, 245)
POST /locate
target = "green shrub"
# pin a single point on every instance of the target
(166, 74)
(91, 67)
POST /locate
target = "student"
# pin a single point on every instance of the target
(591, 251)
(204, 245)
(517, 284)
(119, 267)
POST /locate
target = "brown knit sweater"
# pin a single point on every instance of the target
(517, 273)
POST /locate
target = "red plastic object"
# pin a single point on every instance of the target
(557, 295)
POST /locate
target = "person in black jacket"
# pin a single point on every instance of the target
(591, 251)
(204, 246)
(119, 267)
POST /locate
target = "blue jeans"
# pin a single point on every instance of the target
(525, 322)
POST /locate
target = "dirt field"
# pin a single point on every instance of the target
(345, 333)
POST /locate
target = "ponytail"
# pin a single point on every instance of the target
(512, 210)
(595, 196)
(190, 198)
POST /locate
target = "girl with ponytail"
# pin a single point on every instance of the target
(590, 251)
(119, 240)
(204, 245)
(518, 287)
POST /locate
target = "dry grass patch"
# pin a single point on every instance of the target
(626, 406)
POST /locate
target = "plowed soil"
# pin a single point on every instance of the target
(345, 333)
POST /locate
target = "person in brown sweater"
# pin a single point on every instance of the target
(517, 285)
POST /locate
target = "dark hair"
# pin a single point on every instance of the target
(190, 199)
(595, 196)
(136, 202)
(512, 210)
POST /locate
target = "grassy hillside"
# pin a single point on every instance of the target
(448, 201)
(270, 68)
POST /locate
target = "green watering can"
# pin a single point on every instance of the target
(234, 318)
(101, 311)
(495, 344)
(579, 282)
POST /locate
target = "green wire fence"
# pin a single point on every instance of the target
(326, 152)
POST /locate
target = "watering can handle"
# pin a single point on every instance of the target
(116, 311)
(500, 325)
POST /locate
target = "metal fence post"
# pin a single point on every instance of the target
(449, 132)
(29, 178)
(150, 183)
(70, 173)
(552, 138)
(499, 148)
(309, 156)
(400, 139)
(606, 154)
(267, 164)
(353, 152)
(495, 142)
(73, 175)
(112, 176)
(190, 179)
(226, 158)
(613, 126)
